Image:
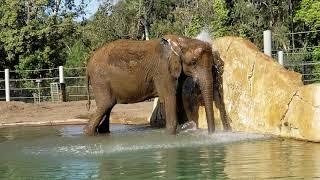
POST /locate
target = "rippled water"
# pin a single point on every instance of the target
(135, 152)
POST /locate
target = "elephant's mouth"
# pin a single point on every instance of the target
(188, 73)
(195, 77)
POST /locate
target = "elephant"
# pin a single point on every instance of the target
(131, 71)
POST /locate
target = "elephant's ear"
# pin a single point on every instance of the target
(174, 56)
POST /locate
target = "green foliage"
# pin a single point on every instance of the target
(309, 13)
(219, 22)
(307, 17)
(250, 18)
(112, 22)
(77, 55)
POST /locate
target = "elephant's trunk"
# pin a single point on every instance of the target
(206, 86)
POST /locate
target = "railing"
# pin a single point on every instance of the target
(300, 59)
(76, 86)
(39, 87)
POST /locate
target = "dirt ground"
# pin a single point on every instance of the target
(47, 113)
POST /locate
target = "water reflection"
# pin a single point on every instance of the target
(44, 169)
(273, 159)
(142, 153)
(165, 164)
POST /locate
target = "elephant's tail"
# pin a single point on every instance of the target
(88, 92)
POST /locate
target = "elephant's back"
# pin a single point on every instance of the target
(126, 51)
(123, 53)
(132, 45)
(122, 66)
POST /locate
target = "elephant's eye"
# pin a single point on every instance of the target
(193, 62)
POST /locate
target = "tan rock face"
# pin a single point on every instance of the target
(261, 96)
(302, 120)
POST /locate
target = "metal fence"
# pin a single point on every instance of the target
(2, 86)
(299, 56)
(303, 63)
(76, 86)
(45, 84)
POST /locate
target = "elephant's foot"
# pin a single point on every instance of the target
(211, 130)
(227, 124)
(89, 130)
(171, 131)
(103, 130)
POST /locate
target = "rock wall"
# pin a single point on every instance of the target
(261, 96)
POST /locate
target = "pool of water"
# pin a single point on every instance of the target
(137, 152)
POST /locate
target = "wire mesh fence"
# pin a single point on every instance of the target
(34, 88)
(76, 86)
(301, 54)
(44, 85)
(304, 64)
(2, 86)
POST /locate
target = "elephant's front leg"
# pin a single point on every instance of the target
(166, 88)
(170, 104)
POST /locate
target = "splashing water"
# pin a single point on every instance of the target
(204, 36)
(131, 139)
(187, 127)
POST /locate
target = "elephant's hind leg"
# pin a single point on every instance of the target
(91, 128)
(95, 125)
(105, 103)
(104, 125)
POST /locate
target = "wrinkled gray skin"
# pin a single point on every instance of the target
(127, 71)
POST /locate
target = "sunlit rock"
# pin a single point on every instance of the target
(302, 119)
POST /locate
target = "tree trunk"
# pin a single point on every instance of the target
(56, 7)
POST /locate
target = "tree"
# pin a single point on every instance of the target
(35, 34)
(77, 55)
(119, 21)
(309, 13)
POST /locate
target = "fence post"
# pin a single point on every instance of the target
(62, 84)
(280, 57)
(7, 83)
(267, 43)
(38, 81)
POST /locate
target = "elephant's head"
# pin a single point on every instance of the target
(194, 58)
